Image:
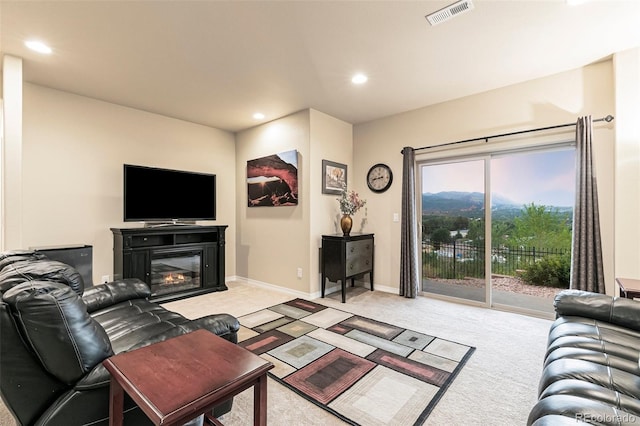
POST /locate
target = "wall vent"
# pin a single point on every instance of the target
(450, 11)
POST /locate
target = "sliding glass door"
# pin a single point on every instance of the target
(532, 197)
(453, 229)
(514, 254)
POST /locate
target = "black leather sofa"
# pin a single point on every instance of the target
(591, 373)
(55, 335)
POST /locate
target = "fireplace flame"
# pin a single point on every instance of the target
(174, 278)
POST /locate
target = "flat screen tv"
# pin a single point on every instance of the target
(162, 195)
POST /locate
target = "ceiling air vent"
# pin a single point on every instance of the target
(449, 12)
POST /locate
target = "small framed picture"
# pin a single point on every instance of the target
(334, 177)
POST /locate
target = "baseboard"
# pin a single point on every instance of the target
(269, 286)
(386, 289)
(333, 288)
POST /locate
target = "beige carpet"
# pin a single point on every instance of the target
(496, 387)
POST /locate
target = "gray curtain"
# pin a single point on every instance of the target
(409, 254)
(586, 265)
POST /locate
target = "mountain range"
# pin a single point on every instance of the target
(469, 204)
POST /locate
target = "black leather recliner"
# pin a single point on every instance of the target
(591, 373)
(55, 335)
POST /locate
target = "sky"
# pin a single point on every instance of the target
(290, 157)
(546, 177)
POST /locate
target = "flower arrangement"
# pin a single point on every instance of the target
(350, 201)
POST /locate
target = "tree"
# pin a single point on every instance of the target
(500, 231)
(439, 236)
(541, 227)
(433, 222)
(476, 230)
(460, 222)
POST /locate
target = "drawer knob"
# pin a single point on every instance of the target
(352, 249)
(367, 262)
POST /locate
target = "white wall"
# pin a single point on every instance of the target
(544, 102)
(627, 218)
(272, 242)
(331, 139)
(73, 151)
(11, 155)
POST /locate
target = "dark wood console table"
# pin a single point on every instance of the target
(136, 249)
(345, 257)
(181, 378)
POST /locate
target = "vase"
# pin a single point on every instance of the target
(345, 223)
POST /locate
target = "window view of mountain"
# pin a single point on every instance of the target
(471, 204)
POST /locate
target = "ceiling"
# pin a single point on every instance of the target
(218, 62)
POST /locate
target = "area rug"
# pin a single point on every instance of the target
(364, 371)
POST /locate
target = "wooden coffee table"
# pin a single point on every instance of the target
(181, 378)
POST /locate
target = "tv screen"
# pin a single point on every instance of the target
(157, 195)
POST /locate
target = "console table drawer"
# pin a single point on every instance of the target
(149, 240)
(358, 249)
(358, 265)
(359, 256)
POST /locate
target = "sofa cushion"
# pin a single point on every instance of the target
(45, 270)
(108, 294)
(138, 322)
(579, 410)
(55, 323)
(9, 257)
(613, 310)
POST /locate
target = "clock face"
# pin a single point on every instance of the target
(379, 178)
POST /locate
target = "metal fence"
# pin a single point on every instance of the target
(466, 259)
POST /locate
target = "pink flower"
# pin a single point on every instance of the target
(350, 201)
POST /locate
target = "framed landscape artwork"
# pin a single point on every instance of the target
(273, 180)
(334, 177)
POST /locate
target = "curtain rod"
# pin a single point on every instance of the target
(608, 119)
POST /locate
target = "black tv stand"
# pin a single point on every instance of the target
(136, 249)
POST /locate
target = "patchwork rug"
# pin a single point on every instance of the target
(364, 371)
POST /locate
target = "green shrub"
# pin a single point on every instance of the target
(550, 271)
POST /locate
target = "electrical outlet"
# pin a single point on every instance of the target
(299, 272)
(396, 217)
(105, 279)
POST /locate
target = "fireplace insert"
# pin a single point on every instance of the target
(175, 271)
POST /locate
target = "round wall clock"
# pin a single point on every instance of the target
(379, 177)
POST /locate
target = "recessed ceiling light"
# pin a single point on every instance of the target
(38, 46)
(258, 116)
(359, 79)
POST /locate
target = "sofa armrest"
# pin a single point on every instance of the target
(108, 294)
(614, 310)
(97, 378)
(223, 325)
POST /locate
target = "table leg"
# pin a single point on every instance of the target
(324, 278)
(344, 289)
(116, 404)
(260, 401)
